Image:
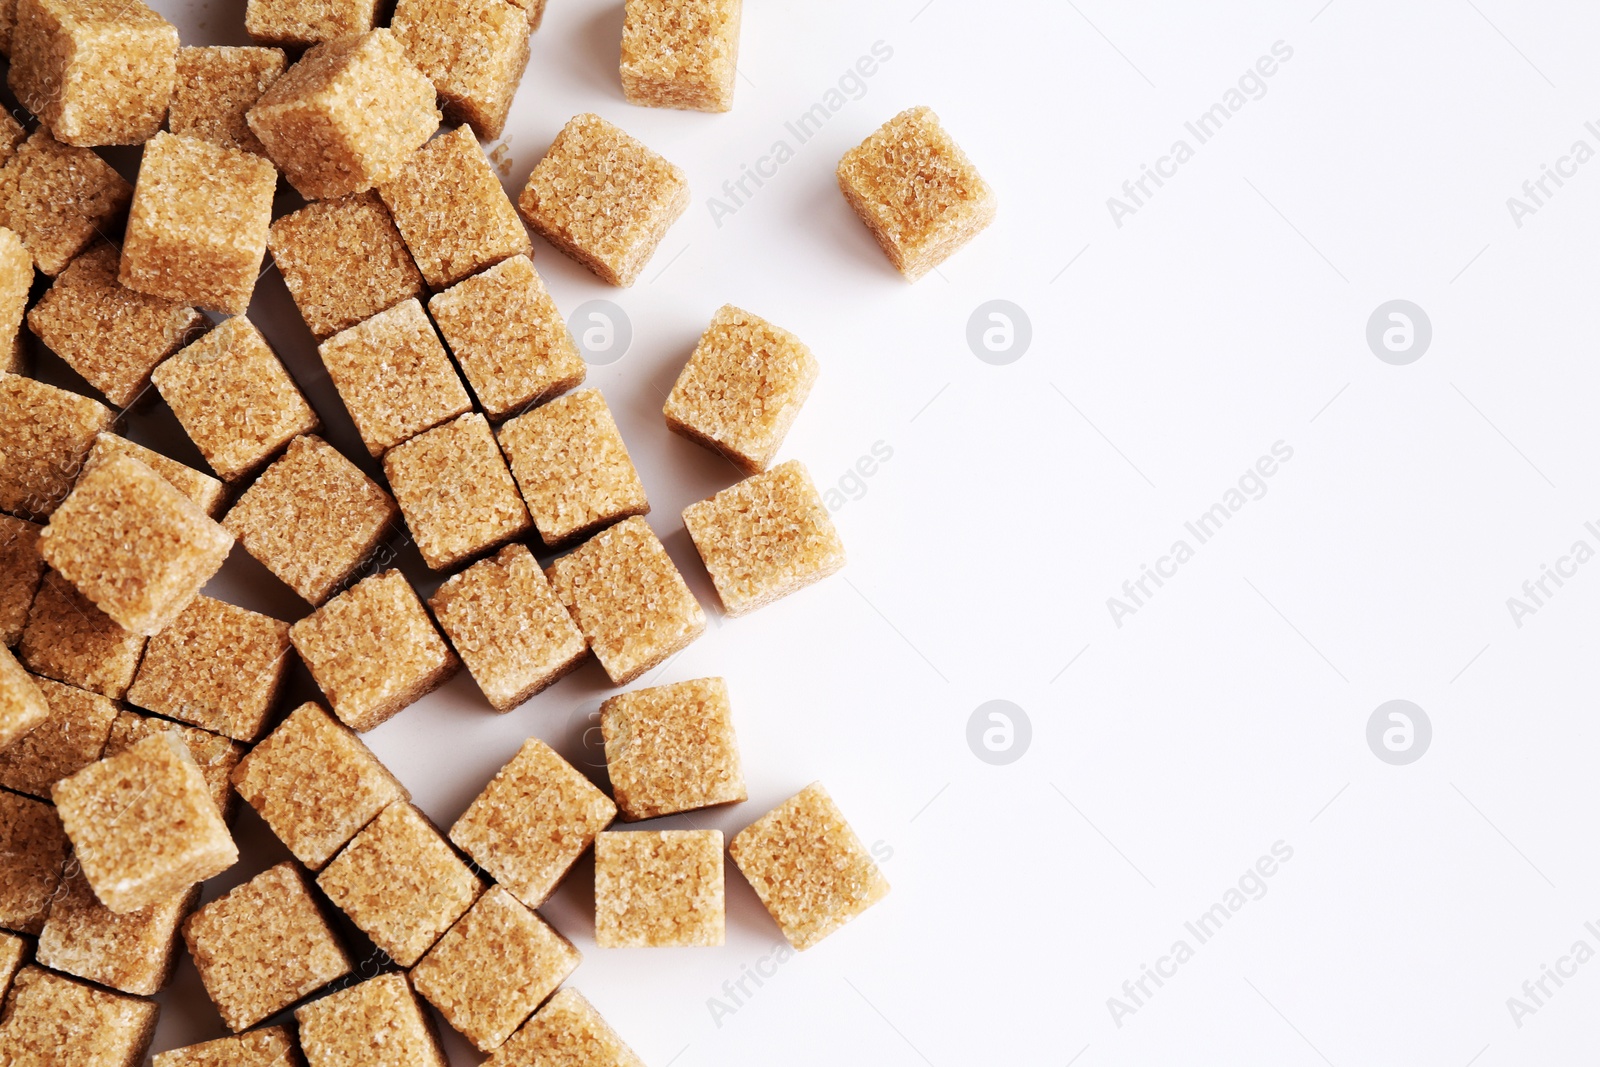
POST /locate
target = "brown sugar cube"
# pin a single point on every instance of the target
(394, 376)
(16, 278)
(680, 53)
(494, 967)
(234, 398)
(271, 1046)
(22, 705)
(343, 261)
(453, 487)
(536, 816)
(347, 116)
(312, 518)
(21, 568)
(208, 494)
(218, 666)
(134, 545)
(133, 952)
(45, 435)
(35, 848)
(452, 211)
(263, 946)
(373, 650)
(507, 626)
(603, 198)
(742, 388)
(96, 72)
(302, 23)
(672, 748)
(473, 50)
(13, 954)
(343, 1029)
(315, 784)
(764, 538)
(567, 1032)
(572, 467)
(628, 599)
(658, 889)
(916, 191)
(508, 337)
(73, 737)
(401, 883)
(215, 87)
(197, 229)
(808, 867)
(69, 639)
(55, 1020)
(216, 756)
(59, 198)
(143, 824)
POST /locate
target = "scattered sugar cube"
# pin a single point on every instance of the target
(567, 1032)
(808, 867)
(341, 1030)
(742, 388)
(474, 51)
(234, 398)
(45, 435)
(263, 946)
(22, 706)
(312, 518)
(54, 1020)
(96, 72)
(401, 883)
(59, 198)
(21, 569)
(72, 737)
(493, 967)
(765, 537)
(343, 261)
(347, 116)
(658, 889)
(394, 376)
(208, 494)
(454, 489)
(302, 23)
(35, 848)
(536, 816)
(13, 954)
(672, 748)
(271, 1046)
(603, 198)
(69, 639)
(197, 230)
(509, 338)
(133, 952)
(680, 53)
(628, 599)
(916, 191)
(215, 87)
(315, 784)
(16, 279)
(373, 650)
(215, 755)
(572, 467)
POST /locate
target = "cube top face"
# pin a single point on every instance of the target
(132, 953)
(916, 191)
(603, 198)
(271, 1046)
(658, 889)
(69, 639)
(342, 1029)
(764, 538)
(303, 23)
(207, 493)
(475, 81)
(59, 199)
(216, 85)
(35, 847)
(742, 388)
(45, 434)
(343, 261)
(567, 1032)
(672, 748)
(73, 737)
(680, 54)
(21, 568)
(808, 867)
(60, 1020)
(22, 705)
(216, 756)
(536, 816)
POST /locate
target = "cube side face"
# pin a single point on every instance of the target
(566, 1031)
(131, 953)
(21, 571)
(22, 706)
(475, 81)
(70, 739)
(70, 640)
(216, 86)
(344, 262)
(271, 1046)
(303, 23)
(35, 847)
(45, 436)
(60, 198)
(681, 55)
(61, 1020)
(343, 1028)
(660, 889)
(672, 748)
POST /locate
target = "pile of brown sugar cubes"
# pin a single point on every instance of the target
(135, 711)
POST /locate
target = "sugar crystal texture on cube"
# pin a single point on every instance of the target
(474, 51)
(208, 494)
(69, 639)
(672, 748)
(680, 53)
(132, 952)
(59, 198)
(22, 706)
(21, 569)
(567, 1032)
(216, 86)
(72, 737)
(216, 755)
(53, 1020)
(342, 1029)
(35, 848)
(16, 279)
(343, 261)
(302, 23)
(659, 889)
(45, 435)
(13, 954)
(270, 1046)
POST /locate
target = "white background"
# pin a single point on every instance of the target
(1168, 354)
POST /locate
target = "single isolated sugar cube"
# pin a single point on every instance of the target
(208, 494)
(218, 666)
(312, 518)
(59, 198)
(16, 279)
(56, 1020)
(680, 53)
(134, 545)
(509, 338)
(343, 1029)
(198, 225)
(45, 435)
(69, 639)
(347, 116)
(453, 487)
(373, 650)
(73, 737)
(808, 867)
(473, 50)
(302, 23)
(21, 568)
(603, 198)
(507, 626)
(234, 398)
(572, 467)
(494, 967)
(742, 388)
(96, 72)
(263, 946)
(271, 1046)
(765, 537)
(35, 848)
(628, 599)
(671, 748)
(394, 376)
(216, 85)
(567, 1032)
(658, 889)
(134, 952)
(216, 756)
(343, 261)
(536, 816)
(315, 784)
(22, 705)
(916, 191)
(401, 883)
